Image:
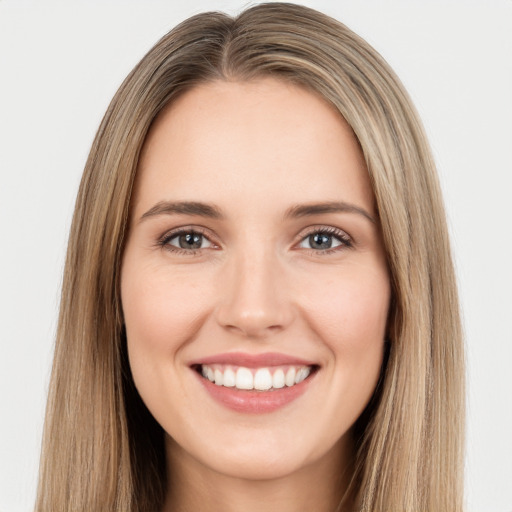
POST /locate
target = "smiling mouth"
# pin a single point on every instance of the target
(271, 378)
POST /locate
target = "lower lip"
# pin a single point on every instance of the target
(255, 402)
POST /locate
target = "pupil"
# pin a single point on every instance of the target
(190, 241)
(320, 241)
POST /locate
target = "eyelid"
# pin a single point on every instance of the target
(162, 241)
(345, 239)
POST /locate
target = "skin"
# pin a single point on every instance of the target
(255, 150)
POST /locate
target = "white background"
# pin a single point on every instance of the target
(60, 64)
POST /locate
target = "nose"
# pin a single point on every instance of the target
(255, 299)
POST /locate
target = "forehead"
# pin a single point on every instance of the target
(245, 139)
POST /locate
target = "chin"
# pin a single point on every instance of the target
(266, 454)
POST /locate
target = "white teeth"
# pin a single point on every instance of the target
(290, 377)
(301, 375)
(219, 377)
(278, 379)
(229, 378)
(262, 379)
(244, 379)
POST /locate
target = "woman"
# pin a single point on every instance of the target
(258, 292)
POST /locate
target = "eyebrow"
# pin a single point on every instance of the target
(329, 207)
(211, 211)
(185, 208)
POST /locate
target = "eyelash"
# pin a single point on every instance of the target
(163, 241)
(346, 241)
(341, 236)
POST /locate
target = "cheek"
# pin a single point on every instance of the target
(350, 317)
(162, 313)
(350, 312)
(347, 311)
(159, 309)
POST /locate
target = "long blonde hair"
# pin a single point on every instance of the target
(102, 450)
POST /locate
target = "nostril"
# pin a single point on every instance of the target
(257, 323)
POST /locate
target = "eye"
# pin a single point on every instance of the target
(325, 240)
(186, 240)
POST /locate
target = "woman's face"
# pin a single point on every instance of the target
(254, 259)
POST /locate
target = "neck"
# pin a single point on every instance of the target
(320, 486)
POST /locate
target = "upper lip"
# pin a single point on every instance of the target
(253, 360)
